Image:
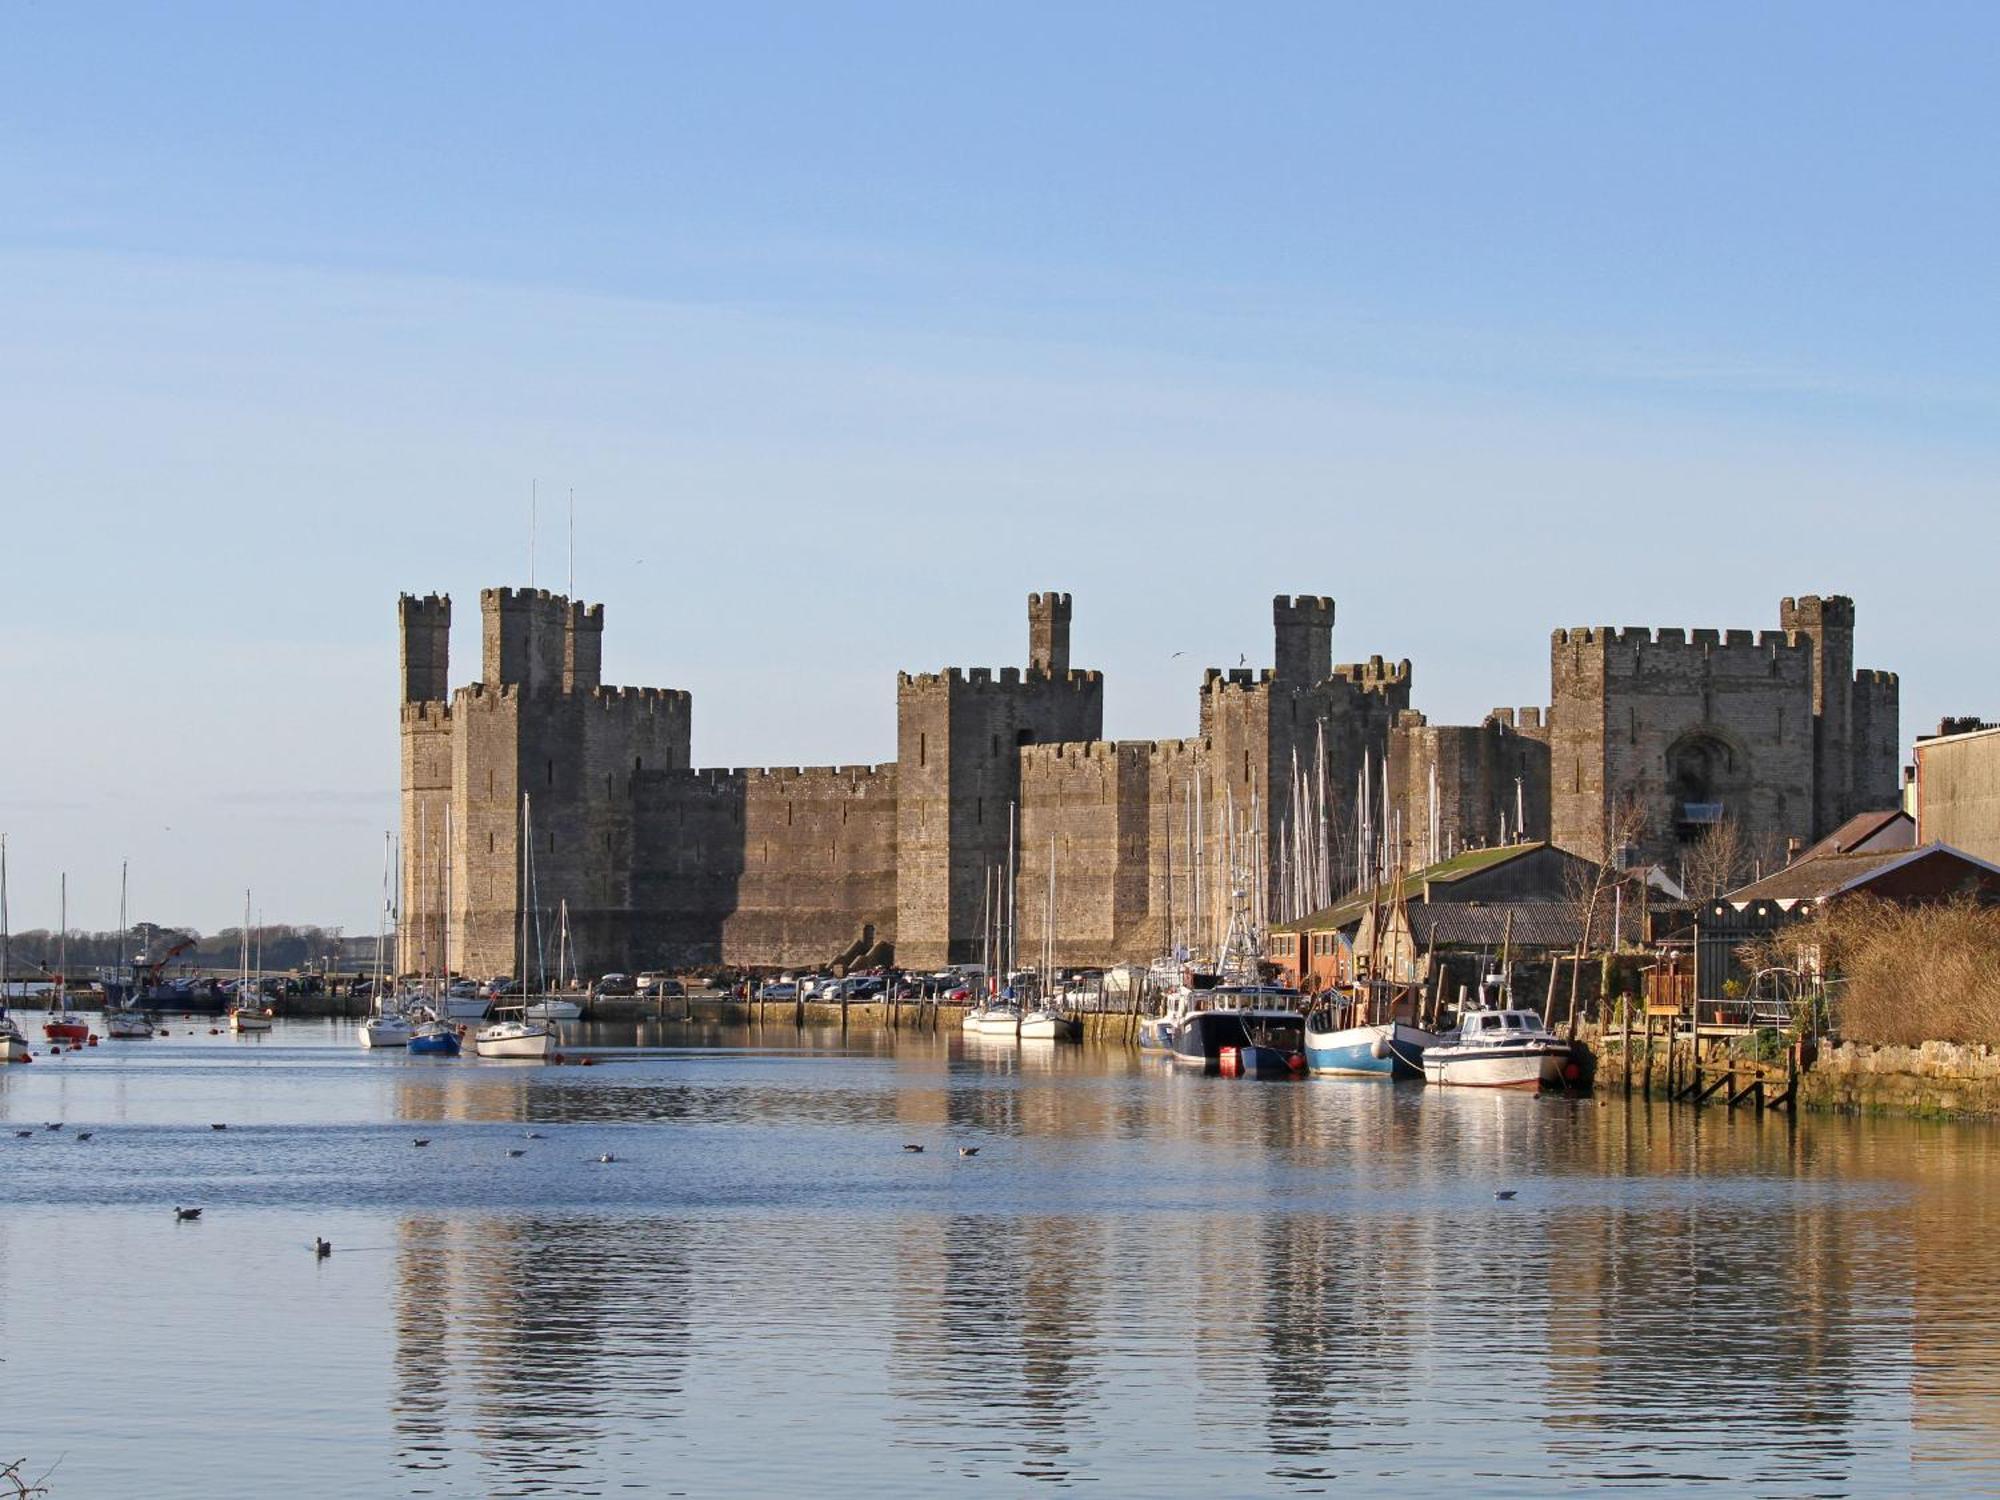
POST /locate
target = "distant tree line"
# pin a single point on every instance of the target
(284, 946)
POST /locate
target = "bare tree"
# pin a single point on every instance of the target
(1715, 861)
(1590, 888)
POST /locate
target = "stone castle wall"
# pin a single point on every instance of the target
(663, 865)
(1491, 783)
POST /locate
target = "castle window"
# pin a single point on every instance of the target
(552, 841)
(638, 763)
(996, 744)
(923, 745)
(788, 814)
(489, 781)
(489, 841)
(1246, 765)
(552, 773)
(979, 810)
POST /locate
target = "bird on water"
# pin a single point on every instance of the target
(912, 1146)
(322, 1248)
(968, 1150)
(186, 1215)
(1505, 1194)
(422, 1140)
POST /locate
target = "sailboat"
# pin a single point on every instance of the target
(1047, 1021)
(13, 1045)
(515, 1035)
(123, 1020)
(384, 1027)
(432, 1033)
(247, 1015)
(63, 1024)
(557, 1005)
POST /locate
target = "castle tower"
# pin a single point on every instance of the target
(526, 639)
(1303, 627)
(1829, 623)
(1048, 634)
(426, 628)
(426, 773)
(583, 647)
(959, 735)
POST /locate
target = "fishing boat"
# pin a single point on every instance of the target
(1500, 1049)
(13, 1045)
(1370, 1031)
(64, 1025)
(1250, 1041)
(247, 1015)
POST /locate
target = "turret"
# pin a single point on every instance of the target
(1048, 633)
(426, 628)
(1303, 628)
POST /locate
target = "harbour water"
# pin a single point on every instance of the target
(1140, 1284)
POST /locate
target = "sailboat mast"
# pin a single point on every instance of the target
(6, 931)
(62, 946)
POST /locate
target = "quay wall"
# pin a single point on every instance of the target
(1935, 1080)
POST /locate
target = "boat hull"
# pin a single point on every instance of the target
(1385, 1049)
(1156, 1034)
(434, 1044)
(554, 1010)
(249, 1020)
(466, 1007)
(1534, 1066)
(532, 1042)
(1002, 1023)
(385, 1033)
(1241, 1043)
(66, 1031)
(122, 1027)
(1051, 1028)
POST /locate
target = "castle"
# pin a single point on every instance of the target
(1299, 775)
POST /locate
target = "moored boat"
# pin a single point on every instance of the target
(553, 1008)
(1045, 1023)
(1501, 1049)
(1247, 1041)
(122, 1023)
(517, 1038)
(386, 1029)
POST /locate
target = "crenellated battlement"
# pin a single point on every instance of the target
(487, 694)
(432, 713)
(995, 677)
(645, 699)
(1050, 600)
(1519, 719)
(1222, 679)
(1810, 611)
(1875, 678)
(434, 608)
(1674, 638)
(1375, 674)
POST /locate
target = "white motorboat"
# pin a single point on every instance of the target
(386, 1029)
(13, 1045)
(553, 1008)
(1500, 1049)
(121, 1023)
(1046, 1024)
(249, 1018)
(519, 1038)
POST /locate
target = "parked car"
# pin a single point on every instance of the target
(779, 989)
(614, 984)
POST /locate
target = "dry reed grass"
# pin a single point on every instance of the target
(1910, 974)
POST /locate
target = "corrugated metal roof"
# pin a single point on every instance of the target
(1351, 909)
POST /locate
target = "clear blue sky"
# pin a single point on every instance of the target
(851, 325)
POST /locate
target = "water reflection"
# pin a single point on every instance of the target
(1144, 1281)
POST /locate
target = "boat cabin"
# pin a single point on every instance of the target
(1499, 1025)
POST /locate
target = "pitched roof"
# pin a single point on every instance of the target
(1885, 828)
(1815, 879)
(1481, 924)
(1351, 909)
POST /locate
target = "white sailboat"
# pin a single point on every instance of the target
(383, 1027)
(1047, 1020)
(13, 1045)
(559, 1004)
(123, 1020)
(251, 1016)
(515, 1036)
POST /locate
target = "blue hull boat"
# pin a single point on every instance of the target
(435, 1043)
(1382, 1049)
